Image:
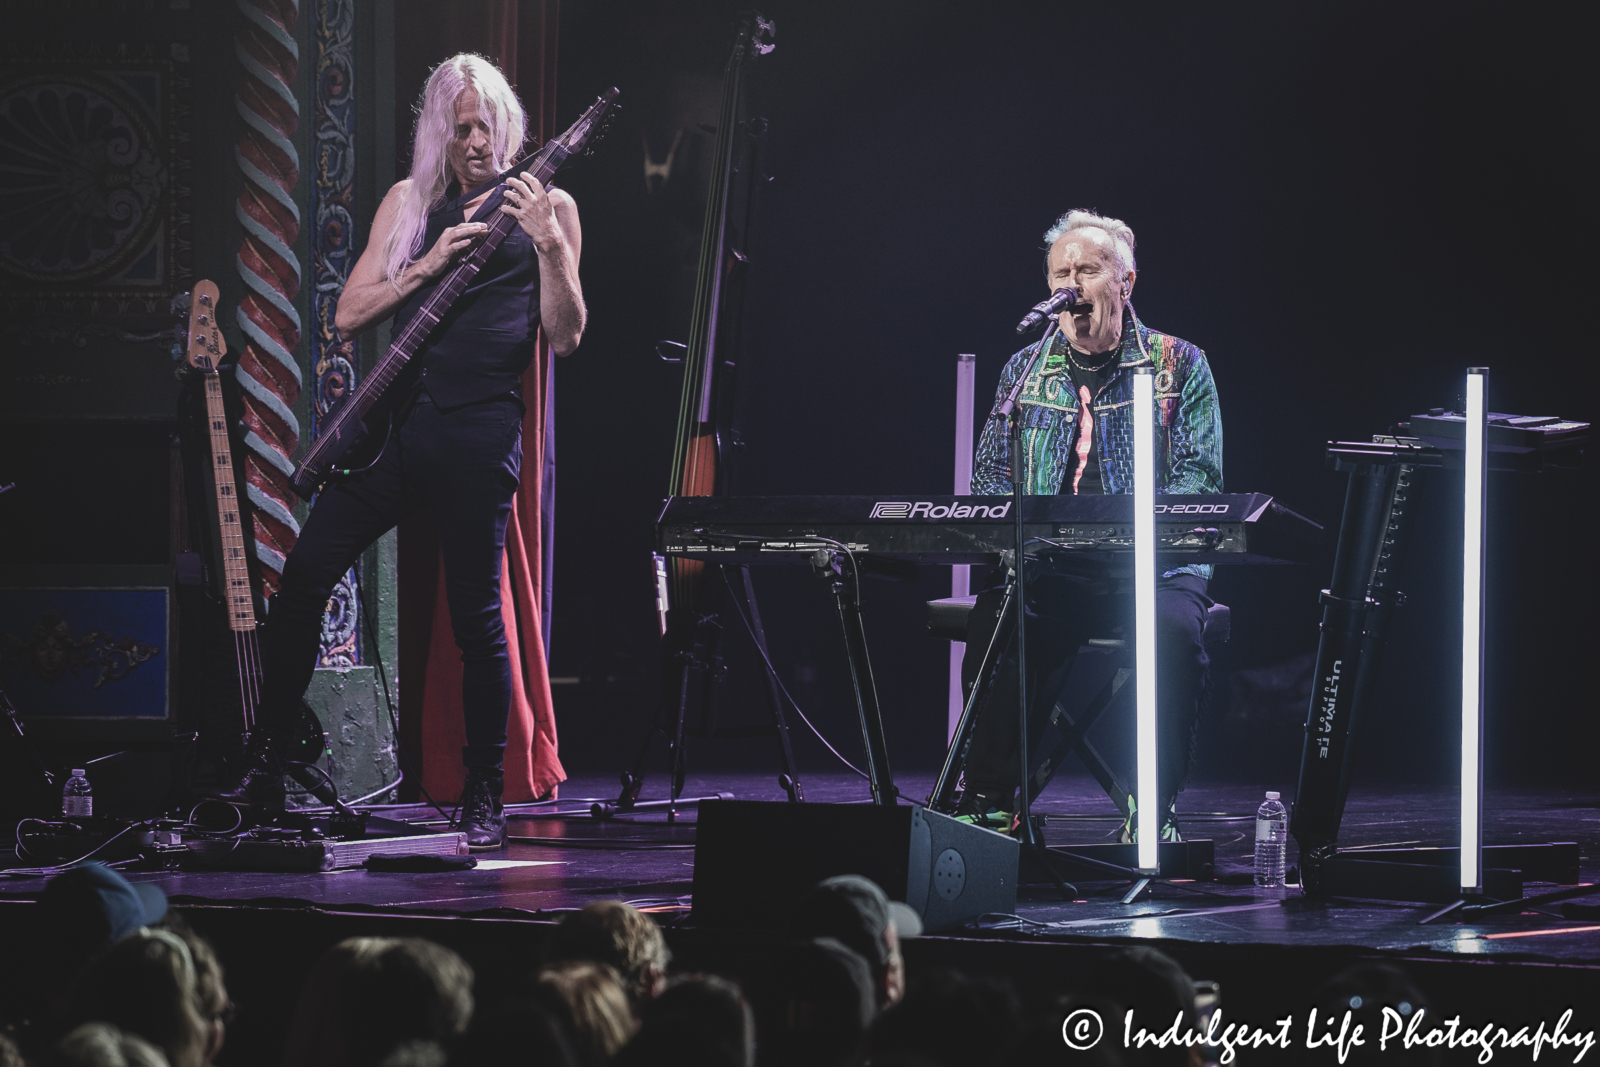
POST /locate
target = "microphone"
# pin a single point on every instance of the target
(1046, 310)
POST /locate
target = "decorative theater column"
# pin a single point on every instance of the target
(333, 362)
(267, 374)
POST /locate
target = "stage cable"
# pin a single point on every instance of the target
(772, 671)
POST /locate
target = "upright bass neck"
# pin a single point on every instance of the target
(695, 453)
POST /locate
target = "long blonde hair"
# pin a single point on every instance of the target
(436, 124)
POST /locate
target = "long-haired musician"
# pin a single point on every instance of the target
(455, 448)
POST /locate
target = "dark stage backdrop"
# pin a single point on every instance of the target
(1344, 205)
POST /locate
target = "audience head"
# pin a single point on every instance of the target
(1364, 990)
(103, 1045)
(830, 999)
(614, 933)
(369, 996)
(949, 1019)
(1152, 982)
(855, 911)
(698, 1021)
(147, 984)
(516, 1030)
(589, 1001)
(89, 908)
(211, 993)
(416, 1054)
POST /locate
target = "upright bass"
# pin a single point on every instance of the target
(689, 592)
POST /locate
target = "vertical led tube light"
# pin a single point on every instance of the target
(1472, 613)
(1147, 816)
(961, 573)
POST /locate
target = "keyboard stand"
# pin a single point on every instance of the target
(1379, 509)
(842, 571)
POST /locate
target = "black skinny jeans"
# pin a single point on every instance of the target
(1061, 618)
(463, 465)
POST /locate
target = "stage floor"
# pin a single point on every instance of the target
(560, 863)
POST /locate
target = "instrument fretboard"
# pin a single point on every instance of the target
(236, 570)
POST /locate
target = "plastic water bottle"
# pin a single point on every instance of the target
(1272, 841)
(77, 798)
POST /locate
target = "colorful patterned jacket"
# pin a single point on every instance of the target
(1188, 430)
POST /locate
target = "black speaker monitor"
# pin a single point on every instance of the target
(756, 860)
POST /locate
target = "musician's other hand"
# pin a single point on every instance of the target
(453, 243)
(529, 204)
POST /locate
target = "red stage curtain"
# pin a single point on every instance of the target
(521, 38)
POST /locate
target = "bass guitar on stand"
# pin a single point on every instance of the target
(204, 348)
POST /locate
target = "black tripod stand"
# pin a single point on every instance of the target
(691, 649)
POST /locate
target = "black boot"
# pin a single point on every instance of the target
(482, 817)
(260, 781)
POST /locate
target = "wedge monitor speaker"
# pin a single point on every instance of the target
(756, 860)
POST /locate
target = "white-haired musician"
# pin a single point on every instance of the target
(1077, 437)
(455, 447)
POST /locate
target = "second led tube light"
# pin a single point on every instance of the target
(1147, 816)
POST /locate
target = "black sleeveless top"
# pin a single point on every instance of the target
(486, 339)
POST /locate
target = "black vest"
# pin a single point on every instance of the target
(486, 339)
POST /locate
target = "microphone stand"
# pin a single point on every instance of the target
(1008, 410)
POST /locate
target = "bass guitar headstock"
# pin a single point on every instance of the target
(203, 343)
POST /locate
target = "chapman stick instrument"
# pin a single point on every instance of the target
(346, 443)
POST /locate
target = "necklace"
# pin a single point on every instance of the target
(1073, 355)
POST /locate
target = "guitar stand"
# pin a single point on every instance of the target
(691, 644)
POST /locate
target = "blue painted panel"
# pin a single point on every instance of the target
(85, 653)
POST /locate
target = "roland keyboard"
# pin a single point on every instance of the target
(1224, 528)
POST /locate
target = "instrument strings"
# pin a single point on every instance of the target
(690, 463)
(428, 316)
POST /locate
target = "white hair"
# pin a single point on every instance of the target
(1115, 236)
(500, 110)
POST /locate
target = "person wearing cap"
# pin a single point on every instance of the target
(829, 999)
(855, 911)
(91, 907)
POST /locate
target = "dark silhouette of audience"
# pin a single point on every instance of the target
(951, 1020)
(370, 998)
(515, 1030)
(135, 986)
(857, 912)
(698, 1021)
(825, 1000)
(588, 998)
(103, 1045)
(610, 932)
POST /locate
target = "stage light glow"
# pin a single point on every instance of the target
(1148, 816)
(961, 573)
(1472, 561)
